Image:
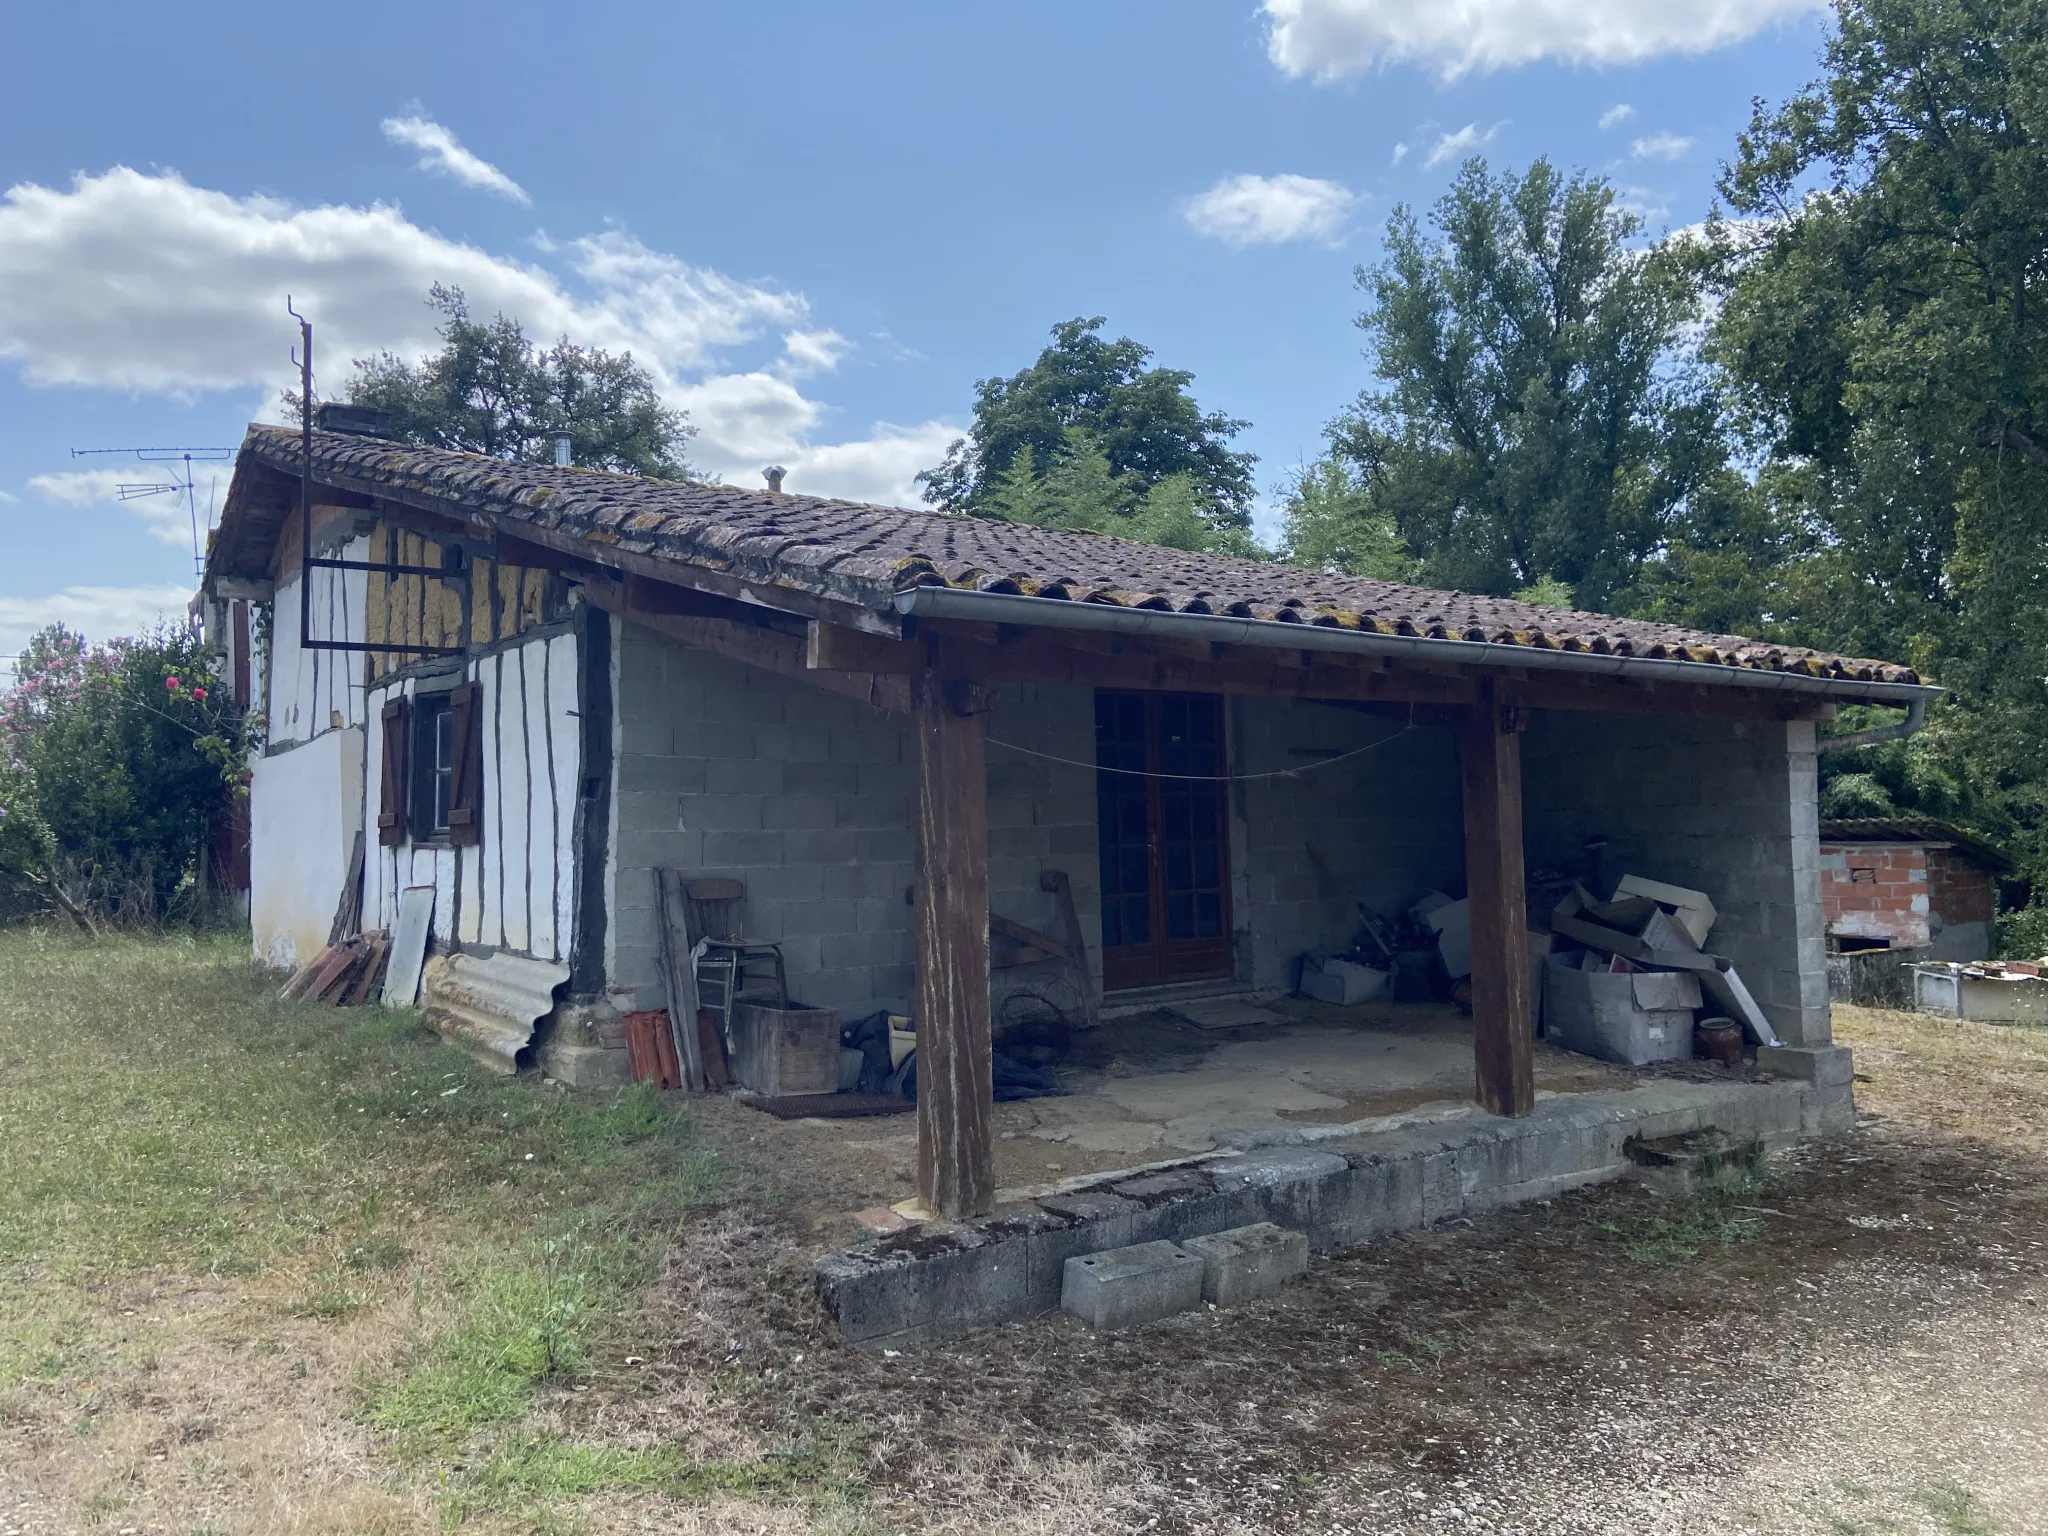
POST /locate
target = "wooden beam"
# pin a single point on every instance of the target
(752, 645)
(955, 1072)
(1490, 765)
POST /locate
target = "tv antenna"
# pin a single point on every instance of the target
(180, 482)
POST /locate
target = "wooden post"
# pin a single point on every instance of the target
(1490, 759)
(955, 1078)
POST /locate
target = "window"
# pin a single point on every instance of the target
(433, 783)
(433, 766)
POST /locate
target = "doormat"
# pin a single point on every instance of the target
(829, 1106)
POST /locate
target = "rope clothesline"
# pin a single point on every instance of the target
(1210, 778)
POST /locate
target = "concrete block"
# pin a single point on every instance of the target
(586, 1066)
(1824, 1066)
(1125, 1287)
(1248, 1262)
(1828, 1111)
(925, 1284)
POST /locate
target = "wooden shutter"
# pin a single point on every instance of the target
(466, 757)
(391, 802)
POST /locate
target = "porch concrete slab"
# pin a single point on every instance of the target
(939, 1281)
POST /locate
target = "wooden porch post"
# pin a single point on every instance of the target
(1490, 760)
(955, 1087)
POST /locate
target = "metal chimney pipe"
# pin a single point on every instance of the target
(773, 475)
(562, 450)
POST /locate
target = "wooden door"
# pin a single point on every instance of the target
(1164, 835)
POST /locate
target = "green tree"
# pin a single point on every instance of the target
(119, 760)
(1882, 330)
(1086, 397)
(491, 390)
(1536, 420)
(1329, 523)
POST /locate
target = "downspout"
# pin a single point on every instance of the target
(1916, 716)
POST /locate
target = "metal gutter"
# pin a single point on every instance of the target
(1056, 613)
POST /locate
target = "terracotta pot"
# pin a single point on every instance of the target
(1719, 1040)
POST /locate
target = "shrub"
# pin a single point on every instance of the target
(116, 762)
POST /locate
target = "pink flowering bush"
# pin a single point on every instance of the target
(115, 765)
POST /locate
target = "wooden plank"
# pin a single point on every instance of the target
(1061, 888)
(1010, 928)
(679, 976)
(1490, 765)
(768, 649)
(955, 1082)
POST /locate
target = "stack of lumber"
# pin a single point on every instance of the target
(348, 974)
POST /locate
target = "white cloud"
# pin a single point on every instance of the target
(165, 514)
(99, 613)
(1400, 154)
(1270, 210)
(1455, 146)
(1328, 40)
(807, 352)
(150, 285)
(1661, 146)
(1615, 115)
(442, 152)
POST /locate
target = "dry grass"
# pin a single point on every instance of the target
(1988, 1082)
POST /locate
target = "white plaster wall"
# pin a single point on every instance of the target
(305, 806)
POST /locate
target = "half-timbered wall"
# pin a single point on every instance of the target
(515, 889)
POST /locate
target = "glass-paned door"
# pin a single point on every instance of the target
(1161, 761)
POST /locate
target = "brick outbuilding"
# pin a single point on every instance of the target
(1909, 883)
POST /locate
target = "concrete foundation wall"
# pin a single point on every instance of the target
(1381, 828)
(1728, 807)
(804, 795)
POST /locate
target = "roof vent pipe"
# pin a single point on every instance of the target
(562, 458)
(773, 475)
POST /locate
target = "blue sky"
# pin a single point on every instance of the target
(818, 222)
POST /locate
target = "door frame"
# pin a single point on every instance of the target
(1164, 961)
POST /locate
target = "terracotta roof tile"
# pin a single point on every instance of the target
(866, 554)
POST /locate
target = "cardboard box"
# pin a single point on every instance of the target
(1601, 1013)
(1693, 910)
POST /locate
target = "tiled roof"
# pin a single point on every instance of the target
(865, 555)
(1915, 829)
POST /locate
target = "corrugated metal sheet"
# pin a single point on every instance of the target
(489, 1004)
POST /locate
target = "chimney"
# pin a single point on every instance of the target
(562, 449)
(773, 475)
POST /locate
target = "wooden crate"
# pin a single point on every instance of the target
(779, 1051)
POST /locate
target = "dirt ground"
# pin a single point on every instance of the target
(1859, 1345)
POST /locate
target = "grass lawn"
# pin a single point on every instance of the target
(279, 1268)
(352, 1222)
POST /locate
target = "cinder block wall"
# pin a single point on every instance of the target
(805, 795)
(1728, 807)
(1382, 828)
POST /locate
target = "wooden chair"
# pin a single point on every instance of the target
(729, 967)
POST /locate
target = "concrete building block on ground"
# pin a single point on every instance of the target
(1824, 1066)
(1248, 1262)
(1124, 1287)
